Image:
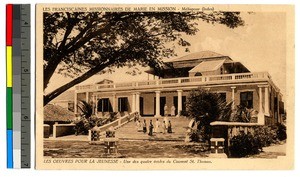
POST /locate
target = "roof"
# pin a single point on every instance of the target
(104, 81)
(65, 96)
(208, 66)
(197, 55)
(57, 113)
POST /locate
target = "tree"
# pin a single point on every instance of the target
(243, 114)
(85, 108)
(205, 107)
(82, 44)
(88, 120)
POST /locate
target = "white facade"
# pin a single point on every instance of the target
(207, 69)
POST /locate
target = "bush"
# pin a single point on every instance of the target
(244, 144)
(183, 113)
(194, 136)
(266, 134)
(281, 132)
(248, 144)
(83, 125)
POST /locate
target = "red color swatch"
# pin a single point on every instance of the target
(9, 20)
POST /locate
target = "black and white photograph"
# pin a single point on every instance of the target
(164, 86)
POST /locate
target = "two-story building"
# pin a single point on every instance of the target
(171, 87)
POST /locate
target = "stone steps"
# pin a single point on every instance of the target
(179, 125)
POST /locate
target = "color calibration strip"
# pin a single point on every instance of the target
(18, 85)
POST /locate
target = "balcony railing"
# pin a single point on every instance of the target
(198, 80)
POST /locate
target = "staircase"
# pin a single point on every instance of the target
(179, 127)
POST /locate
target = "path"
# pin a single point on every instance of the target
(272, 151)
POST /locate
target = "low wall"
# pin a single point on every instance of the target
(63, 129)
(46, 131)
(228, 130)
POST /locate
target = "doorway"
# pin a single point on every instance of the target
(162, 105)
(141, 106)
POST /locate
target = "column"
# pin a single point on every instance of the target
(267, 102)
(96, 108)
(93, 99)
(260, 115)
(157, 107)
(87, 97)
(75, 103)
(137, 102)
(232, 97)
(278, 114)
(114, 102)
(179, 105)
(133, 107)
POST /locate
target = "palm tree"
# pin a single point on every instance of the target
(85, 108)
(85, 123)
(205, 107)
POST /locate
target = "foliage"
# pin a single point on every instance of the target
(244, 144)
(267, 135)
(83, 125)
(206, 107)
(281, 132)
(85, 108)
(183, 113)
(248, 144)
(242, 114)
(82, 44)
(87, 120)
(194, 135)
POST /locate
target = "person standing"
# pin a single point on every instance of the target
(150, 128)
(166, 110)
(164, 127)
(157, 126)
(169, 127)
(144, 126)
(166, 119)
(139, 126)
(173, 110)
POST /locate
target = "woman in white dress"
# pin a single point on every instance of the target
(173, 110)
(166, 110)
(139, 126)
(157, 126)
(164, 127)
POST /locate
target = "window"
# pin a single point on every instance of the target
(71, 107)
(104, 105)
(246, 99)
(123, 104)
(198, 74)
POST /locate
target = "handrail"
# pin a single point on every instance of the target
(118, 122)
(179, 80)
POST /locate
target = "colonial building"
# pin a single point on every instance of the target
(168, 91)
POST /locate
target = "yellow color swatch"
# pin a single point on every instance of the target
(9, 73)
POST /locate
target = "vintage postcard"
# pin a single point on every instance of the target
(124, 87)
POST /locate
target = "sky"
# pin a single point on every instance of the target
(260, 45)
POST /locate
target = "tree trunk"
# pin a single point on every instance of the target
(50, 69)
(60, 90)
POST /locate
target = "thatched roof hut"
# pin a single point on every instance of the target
(55, 113)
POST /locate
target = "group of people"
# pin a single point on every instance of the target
(172, 112)
(158, 127)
